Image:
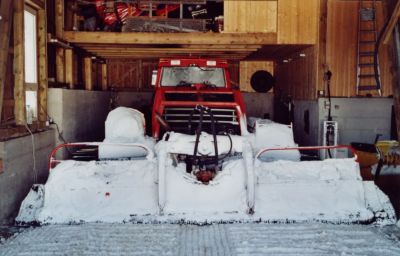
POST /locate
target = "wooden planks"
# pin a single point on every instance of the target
(250, 16)
(298, 21)
(295, 76)
(19, 77)
(128, 74)
(247, 69)
(6, 12)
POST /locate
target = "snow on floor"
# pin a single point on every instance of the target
(217, 239)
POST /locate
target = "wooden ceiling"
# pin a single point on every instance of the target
(232, 46)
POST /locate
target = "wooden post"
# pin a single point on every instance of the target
(87, 73)
(42, 60)
(69, 68)
(6, 11)
(60, 54)
(104, 85)
(59, 18)
(320, 48)
(19, 68)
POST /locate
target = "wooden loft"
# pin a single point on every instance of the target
(265, 30)
(234, 46)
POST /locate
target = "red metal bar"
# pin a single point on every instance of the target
(82, 144)
(65, 145)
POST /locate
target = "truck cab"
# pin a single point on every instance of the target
(182, 84)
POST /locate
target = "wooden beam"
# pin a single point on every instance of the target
(37, 4)
(69, 68)
(392, 23)
(163, 47)
(87, 73)
(157, 50)
(60, 65)
(104, 84)
(169, 38)
(19, 69)
(59, 18)
(42, 61)
(6, 12)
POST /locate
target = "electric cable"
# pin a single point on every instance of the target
(35, 174)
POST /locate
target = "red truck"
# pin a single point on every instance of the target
(184, 88)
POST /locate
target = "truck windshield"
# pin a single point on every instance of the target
(186, 76)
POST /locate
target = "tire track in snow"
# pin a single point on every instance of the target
(223, 239)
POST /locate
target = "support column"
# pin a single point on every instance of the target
(60, 54)
(104, 84)
(87, 73)
(19, 67)
(42, 52)
(6, 12)
(69, 68)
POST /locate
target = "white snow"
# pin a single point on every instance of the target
(124, 125)
(123, 191)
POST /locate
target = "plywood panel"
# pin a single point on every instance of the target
(296, 77)
(341, 53)
(250, 16)
(247, 69)
(298, 21)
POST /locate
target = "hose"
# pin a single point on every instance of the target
(202, 110)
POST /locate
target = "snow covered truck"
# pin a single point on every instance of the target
(201, 165)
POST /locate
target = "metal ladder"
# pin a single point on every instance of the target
(368, 71)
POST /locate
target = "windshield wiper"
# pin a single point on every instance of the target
(208, 84)
(183, 83)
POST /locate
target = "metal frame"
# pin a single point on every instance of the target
(53, 160)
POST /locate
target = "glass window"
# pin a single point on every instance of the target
(30, 38)
(187, 76)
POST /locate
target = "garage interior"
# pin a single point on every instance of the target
(60, 77)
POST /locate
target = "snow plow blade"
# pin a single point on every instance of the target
(245, 190)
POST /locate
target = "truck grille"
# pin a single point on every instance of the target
(178, 119)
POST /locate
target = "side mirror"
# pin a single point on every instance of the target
(154, 78)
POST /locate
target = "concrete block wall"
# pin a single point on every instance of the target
(79, 114)
(17, 176)
(359, 119)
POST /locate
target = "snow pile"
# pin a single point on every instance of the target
(93, 191)
(124, 125)
(328, 190)
(225, 194)
(269, 134)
